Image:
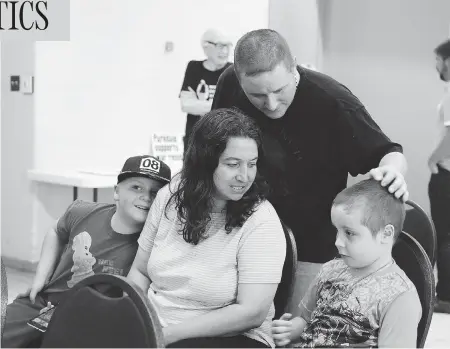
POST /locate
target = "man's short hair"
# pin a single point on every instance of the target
(378, 207)
(443, 50)
(261, 51)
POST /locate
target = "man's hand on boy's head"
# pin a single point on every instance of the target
(391, 177)
(282, 330)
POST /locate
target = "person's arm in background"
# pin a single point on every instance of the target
(441, 152)
(192, 105)
(188, 97)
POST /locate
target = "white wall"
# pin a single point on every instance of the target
(100, 96)
(299, 23)
(113, 85)
(17, 138)
(383, 51)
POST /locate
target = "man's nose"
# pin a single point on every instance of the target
(271, 102)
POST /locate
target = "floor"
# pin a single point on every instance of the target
(18, 281)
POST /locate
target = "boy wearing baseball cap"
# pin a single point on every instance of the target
(89, 238)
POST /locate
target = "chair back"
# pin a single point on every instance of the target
(285, 288)
(420, 226)
(104, 311)
(413, 260)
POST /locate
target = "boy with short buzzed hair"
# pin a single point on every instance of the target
(362, 298)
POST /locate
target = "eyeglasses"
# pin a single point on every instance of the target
(219, 45)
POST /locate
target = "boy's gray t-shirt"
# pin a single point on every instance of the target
(378, 311)
(92, 246)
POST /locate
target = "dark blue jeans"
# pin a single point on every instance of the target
(439, 194)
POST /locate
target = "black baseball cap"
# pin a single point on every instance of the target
(145, 166)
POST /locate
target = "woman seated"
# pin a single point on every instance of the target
(212, 250)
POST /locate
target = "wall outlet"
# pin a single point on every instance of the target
(26, 84)
(168, 46)
(15, 83)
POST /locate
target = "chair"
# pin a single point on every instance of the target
(4, 295)
(104, 311)
(286, 286)
(412, 258)
(419, 225)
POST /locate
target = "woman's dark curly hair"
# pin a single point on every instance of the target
(195, 190)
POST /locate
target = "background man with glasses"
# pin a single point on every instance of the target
(200, 78)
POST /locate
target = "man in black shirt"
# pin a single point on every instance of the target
(315, 133)
(201, 77)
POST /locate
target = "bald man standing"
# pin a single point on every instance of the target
(200, 78)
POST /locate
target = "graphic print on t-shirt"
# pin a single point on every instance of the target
(339, 320)
(108, 267)
(83, 260)
(204, 91)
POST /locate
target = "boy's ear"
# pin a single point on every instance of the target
(388, 233)
(447, 62)
(116, 193)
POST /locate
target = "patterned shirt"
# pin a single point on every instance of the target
(341, 309)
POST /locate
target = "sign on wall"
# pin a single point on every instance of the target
(35, 20)
(168, 148)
